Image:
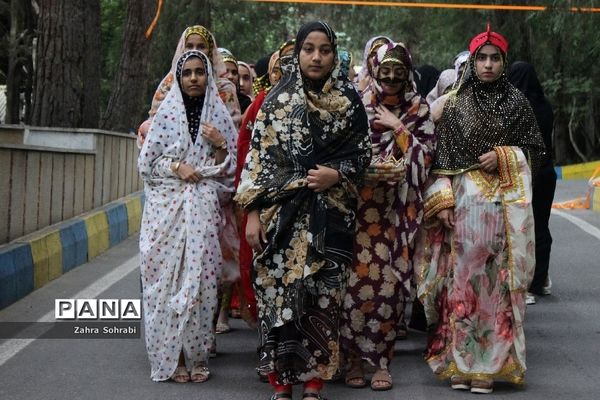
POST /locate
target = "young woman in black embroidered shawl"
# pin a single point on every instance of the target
(474, 265)
(309, 148)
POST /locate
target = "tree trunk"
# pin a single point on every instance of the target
(126, 102)
(19, 77)
(13, 77)
(92, 63)
(67, 83)
(201, 14)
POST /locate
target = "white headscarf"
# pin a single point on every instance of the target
(224, 85)
(460, 59)
(182, 221)
(169, 136)
(216, 60)
(446, 79)
(364, 69)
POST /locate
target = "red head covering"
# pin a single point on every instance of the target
(488, 37)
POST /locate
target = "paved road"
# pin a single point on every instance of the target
(563, 333)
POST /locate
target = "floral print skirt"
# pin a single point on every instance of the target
(472, 299)
(378, 282)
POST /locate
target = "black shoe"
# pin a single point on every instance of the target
(313, 395)
(281, 395)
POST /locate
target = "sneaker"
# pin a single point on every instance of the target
(457, 382)
(482, 386)
(530, 299)
(547, 289)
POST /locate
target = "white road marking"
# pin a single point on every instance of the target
(583, 225)
(11, 347)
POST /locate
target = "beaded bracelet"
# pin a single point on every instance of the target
(402, 129)
(222, 146)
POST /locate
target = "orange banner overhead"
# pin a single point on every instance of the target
(505, 7)
(150, 29)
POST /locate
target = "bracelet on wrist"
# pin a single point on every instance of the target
(222, 146)
(400, 130)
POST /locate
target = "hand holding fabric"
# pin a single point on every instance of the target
(212, 135)
(489, 162)
(447, 217)
(255, 234)
(143, 131)
(322, 178)
(386, 118)
(187, 173)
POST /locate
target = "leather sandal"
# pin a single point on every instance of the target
(381, 375)
(181, 375)
(355, 377)
(222, 327)
(200, 374)
(458, 382)
(484, 386)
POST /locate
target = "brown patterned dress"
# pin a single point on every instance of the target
(388, 216)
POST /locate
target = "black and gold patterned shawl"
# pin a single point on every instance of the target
(296, 129)
(481, 116)
(300, 276)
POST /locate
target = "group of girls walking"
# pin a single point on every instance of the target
(344, 208)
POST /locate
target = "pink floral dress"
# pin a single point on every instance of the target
(472, 280)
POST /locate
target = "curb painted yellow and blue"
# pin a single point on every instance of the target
(30, 262)
(595, 199)
(583, 171)
(577, 171)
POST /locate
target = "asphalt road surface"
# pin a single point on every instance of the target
(562, 332)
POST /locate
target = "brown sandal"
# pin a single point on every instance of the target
(181, 375)
(381, 375)
(200, 374)
(458, 382)
(355, 377)
(484, 386)
(222, 327)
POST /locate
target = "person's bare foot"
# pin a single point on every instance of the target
(181, 374)
(200, 374)
(355, 376)
(381, 380)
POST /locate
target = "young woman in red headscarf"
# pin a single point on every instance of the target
(476, 258)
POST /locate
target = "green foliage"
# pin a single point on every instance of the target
(564, 46)
(252, 30)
